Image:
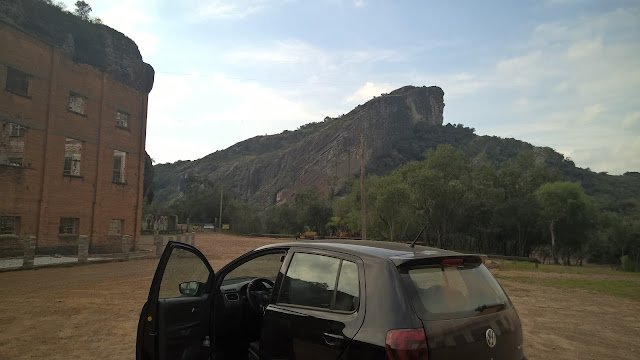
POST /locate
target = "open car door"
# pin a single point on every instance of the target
(176, 321)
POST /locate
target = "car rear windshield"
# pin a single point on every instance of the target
(452, 292)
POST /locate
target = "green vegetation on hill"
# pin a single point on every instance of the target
(478, 193)
(522, 207)
(412, 145)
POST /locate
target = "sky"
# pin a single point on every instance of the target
(557, 73)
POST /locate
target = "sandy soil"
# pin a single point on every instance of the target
(91, 311)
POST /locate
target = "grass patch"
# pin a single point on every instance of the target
(561, 269)
(629, 289)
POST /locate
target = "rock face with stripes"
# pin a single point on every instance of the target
(83, 42)
(266, 170)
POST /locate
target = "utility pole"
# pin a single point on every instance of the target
(220, 223)
(363, 209)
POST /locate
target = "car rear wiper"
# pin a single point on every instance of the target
(489, 306)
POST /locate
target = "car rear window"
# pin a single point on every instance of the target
(451, 292)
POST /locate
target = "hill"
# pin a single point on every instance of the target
(398, 127)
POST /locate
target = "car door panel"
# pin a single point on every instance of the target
(182, 317)
(310, 334)
(302, 332)
(175, 324)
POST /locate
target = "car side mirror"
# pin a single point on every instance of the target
(189, 288)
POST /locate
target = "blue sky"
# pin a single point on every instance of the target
(558, 73)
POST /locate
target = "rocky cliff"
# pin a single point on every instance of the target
(398, 128)
(83, 42)
(265, 170)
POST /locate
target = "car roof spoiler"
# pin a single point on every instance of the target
(428, 258)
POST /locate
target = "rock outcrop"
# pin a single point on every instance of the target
(265, 170)
(96, 45)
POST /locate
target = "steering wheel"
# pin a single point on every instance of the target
(258, 295)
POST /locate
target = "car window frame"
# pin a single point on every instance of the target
(338, 255)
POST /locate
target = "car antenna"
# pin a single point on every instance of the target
(413, 244)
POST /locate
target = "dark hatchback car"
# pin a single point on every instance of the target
(328, 300)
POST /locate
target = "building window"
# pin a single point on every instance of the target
(122, 120)
(72, 157)
(77, 103)
(18, 82)
(16, 130)
(119, 159)
(68, 226)
(115, 227)
(12, 144)
(9, 225)
(14, 161)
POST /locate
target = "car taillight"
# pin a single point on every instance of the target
(407, 344)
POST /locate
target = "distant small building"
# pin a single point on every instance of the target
(160, 223)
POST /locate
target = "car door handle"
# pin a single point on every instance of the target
(332, 339)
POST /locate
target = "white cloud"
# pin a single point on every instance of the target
(632, 121)
(359, 3)
(279, 52)
(584, 49)
(227, 9)
(368, 91)
(214, 112)
(132, 18)
(455, 86)
(590, 113)
(561, 87)
(517, 71)
(568, 80)
(300, 53)
(522, 104)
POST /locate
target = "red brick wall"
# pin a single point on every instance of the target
(38, 192)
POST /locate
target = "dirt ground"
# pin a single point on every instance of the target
(91, 311)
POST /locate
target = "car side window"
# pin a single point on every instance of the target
(311, 281)
(183, 267)
(348, 292)
(265, 266)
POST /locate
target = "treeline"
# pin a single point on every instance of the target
(199, 203)
(522, 208)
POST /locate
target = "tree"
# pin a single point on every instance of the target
(347, 208)
(200, 200)
(389, 199)
(281, 219)
(313, 211)
(518, 213)
(82, 10)
(243, 218)
(439, 185)
(568, 211)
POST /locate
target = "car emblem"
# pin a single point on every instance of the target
(491, 337)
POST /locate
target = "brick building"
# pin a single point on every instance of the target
(72, 146)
